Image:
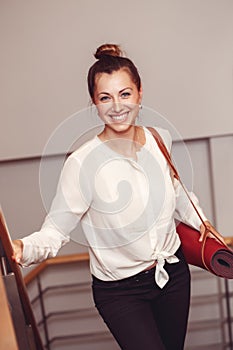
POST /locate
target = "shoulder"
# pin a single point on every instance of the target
(165, 134)
(80, 153)
(75, 160)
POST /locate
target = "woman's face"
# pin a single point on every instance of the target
(117, 100)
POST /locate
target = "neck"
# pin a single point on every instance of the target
(127, 142)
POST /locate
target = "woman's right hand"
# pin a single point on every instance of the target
(18, 250)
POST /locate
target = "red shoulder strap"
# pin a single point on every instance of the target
(164, 150)
(166, 154)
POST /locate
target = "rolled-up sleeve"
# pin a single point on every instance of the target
(71, 201)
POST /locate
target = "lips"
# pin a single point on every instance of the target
(119, 117)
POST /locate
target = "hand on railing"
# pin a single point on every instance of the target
(18, 250)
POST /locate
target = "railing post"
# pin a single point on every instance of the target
(42, 306)
(228, 310)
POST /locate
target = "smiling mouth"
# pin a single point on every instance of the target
(119, 118)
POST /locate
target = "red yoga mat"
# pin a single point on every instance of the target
(218, 258)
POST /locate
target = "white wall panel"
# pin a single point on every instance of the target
(198, 178)
(222, 172)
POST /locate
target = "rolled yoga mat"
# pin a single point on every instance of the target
(218, 258)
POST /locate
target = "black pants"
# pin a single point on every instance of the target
(142, 316)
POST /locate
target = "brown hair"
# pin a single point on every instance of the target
(110, 59)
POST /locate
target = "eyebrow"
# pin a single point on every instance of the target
(107, 93)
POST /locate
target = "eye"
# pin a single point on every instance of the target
(125, 94)
(104, 98)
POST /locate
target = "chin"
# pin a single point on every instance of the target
(120, 127)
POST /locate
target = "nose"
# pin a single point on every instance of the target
(117, 106)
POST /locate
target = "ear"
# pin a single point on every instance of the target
(92, 101)
(140, 94)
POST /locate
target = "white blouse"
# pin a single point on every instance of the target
(126, 209)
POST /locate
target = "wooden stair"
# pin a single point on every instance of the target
(21, 325)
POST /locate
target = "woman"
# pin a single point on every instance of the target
(141, 282)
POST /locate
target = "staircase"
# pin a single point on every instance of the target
(64, 317)
(17, 318)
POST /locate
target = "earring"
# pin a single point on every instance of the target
(139, 118)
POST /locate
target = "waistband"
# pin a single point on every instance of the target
(139, 277)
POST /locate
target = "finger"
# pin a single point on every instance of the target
(219, 237)
(16, 257)
(202, 235)
(216, 235)
(17, 251)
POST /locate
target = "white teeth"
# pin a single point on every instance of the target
(119, 117)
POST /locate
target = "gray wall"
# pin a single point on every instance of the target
(183, 50)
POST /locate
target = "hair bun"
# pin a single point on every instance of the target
(108, 50)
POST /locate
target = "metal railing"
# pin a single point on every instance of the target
(222, 298)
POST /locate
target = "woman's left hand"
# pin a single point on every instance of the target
(211, 228)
